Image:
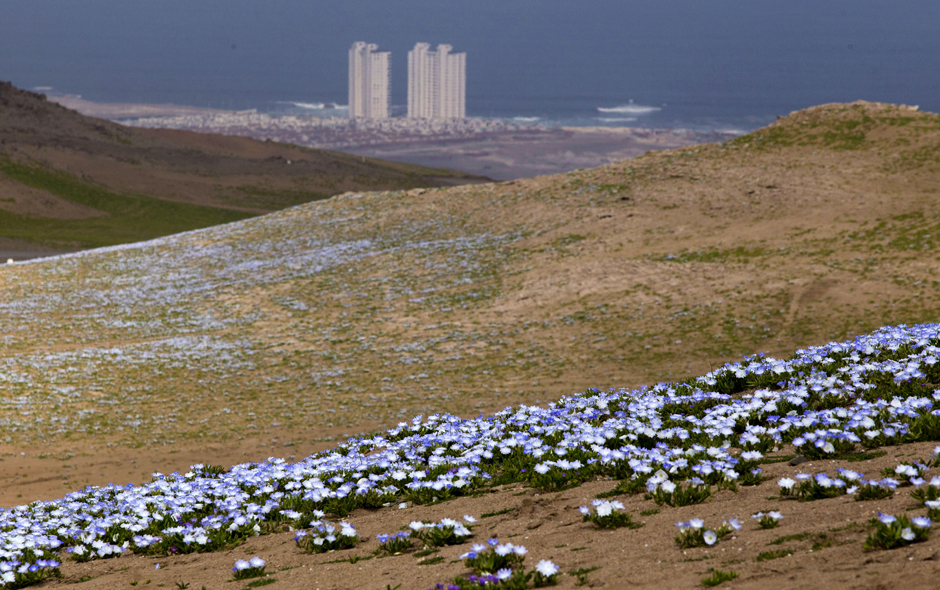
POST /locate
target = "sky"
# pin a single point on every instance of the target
(758, 57)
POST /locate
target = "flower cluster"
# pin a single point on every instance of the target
(33, 569)
(694, 533)
(492, 557)
(663, 491)
(245, 569)
(890, 532)
(608, 515)
(445, 532)
(907, 474)
(770, 520)
(394, 544)
(500, 566)
(323, 537)
(809, 487)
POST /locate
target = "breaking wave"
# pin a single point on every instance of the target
(630, 109)
(309, 105)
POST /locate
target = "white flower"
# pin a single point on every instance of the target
(256, 562)
(469, 518)
(604, 509)
(696, 523)
(786, 483)
(907, 534)
(710, 537)
(546, 568)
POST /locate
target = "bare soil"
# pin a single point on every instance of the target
(824, 539)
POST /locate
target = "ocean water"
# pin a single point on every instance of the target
(733, 65)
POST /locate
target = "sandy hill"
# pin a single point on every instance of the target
(71, 181)
(281, 334)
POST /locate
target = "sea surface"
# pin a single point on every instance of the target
(725, 65)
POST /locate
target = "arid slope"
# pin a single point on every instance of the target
(276, 335)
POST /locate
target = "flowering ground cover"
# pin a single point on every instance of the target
(348, 315)
(881, 389)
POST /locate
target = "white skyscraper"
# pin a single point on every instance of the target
(437, 83)
(369, 81)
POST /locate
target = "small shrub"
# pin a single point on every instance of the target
(608, 515)
(673, 494)
(693, 533)
(770, 520)
(873, 490)
(324, 538)
(393, 544)
(890, 532)
(445, 532)
(808, 487)
(492, 557)
(253, 568)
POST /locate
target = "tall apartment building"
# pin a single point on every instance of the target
(437, 83)
(369, 81)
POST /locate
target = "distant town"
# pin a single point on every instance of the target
(434, 131)
(436, 107)
(335, 132)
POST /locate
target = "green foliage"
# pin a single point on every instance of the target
(810, 489)
(610, 515)
(489, 561)
(872, 492)
(682, 495)
(127, 218)
(898, 533)
(768, 555)
(690, 536)
(438, 535)
(719, 577)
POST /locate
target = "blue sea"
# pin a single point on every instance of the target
(705, 65)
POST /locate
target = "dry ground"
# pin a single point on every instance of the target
(823, 539)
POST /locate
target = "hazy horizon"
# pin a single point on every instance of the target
(730, 63)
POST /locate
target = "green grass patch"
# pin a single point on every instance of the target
(497, 513)
(128, 218)
(768, 555)
(719, 577)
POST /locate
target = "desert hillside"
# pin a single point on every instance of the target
(68, 181)
(287, 333)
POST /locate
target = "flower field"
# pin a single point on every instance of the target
(877, 390)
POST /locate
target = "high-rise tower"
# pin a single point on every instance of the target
(369, 81)
(437, 83)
